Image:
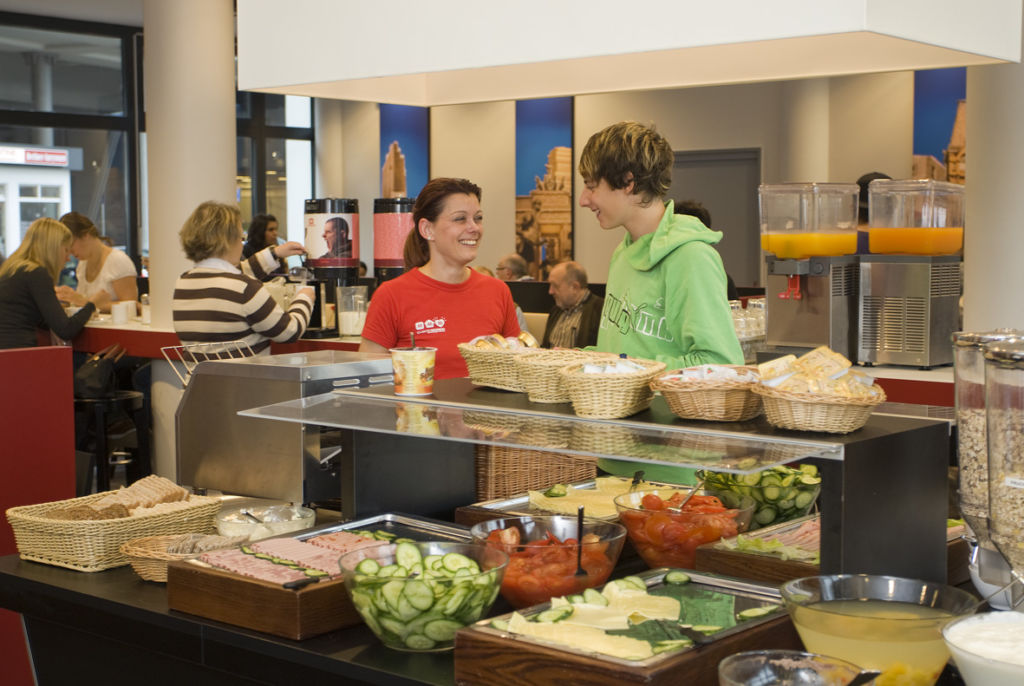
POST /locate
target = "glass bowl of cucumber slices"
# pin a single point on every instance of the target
(782, 493)
(544, 554)
(415, 596)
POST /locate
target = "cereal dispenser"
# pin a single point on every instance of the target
(911, 282)
(1004, 399)
(972, 446)
(809, 235)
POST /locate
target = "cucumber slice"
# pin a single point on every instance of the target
(392, 591)
(772, 493)
(406, 611)
(754, 612)
(419, 642)
(557, 491)
(750, 479)
(594, 597)
(706, 628)
(665, 646)
(555, 614)
(766, 515)
(393, 626)
(403, 540)
(453, 562)
(441, 629)
(803, 499)
(809, 469)
(676, 577)
(500, 624)
(407, 555)
(382, 535)
(386, 570)
(574, 599)
(368, 566)
(810, 480)
(636, 582)
(786, 504)
(455, 600)
(432, 562)
(419, 594)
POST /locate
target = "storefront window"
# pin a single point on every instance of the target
(289, 182)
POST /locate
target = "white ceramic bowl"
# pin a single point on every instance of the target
(988, 648)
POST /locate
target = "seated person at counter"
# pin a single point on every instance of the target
(261, 235)
(573, 321)
(28, 300)
(513, 268)
(440, 298)
(666, 294)
(216, 302)
(102, 270)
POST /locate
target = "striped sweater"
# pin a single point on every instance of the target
(214, 302)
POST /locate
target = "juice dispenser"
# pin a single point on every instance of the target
(809, 235)
(911, 282)
(332, 251)
(1004, 398)
(972, 445)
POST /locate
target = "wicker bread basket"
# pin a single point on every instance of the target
(148, 556)
(503, 472)
(813, 412)
(538, 373)
(493, 368)
(716, 401)
(611, 396)
(95, 545)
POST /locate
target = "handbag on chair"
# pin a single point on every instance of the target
(95, 378)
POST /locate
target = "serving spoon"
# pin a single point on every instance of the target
(579, 543)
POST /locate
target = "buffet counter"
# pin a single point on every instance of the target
(113, 628)
(146, 340)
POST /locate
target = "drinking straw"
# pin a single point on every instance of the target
(412, 337)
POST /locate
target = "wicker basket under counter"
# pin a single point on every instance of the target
(95, 545)
(502, 472)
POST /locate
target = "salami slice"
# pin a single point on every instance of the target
(343, 541)
(234, 560)
(303, 554)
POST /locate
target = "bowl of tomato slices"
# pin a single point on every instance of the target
(665, 535)
(542, 554)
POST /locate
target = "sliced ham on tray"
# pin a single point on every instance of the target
(301, 553)
(234, 560)
(344, 541)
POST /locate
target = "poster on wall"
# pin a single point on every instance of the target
(940, 124)
(544, 183)
(404, 150)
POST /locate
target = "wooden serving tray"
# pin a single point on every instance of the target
(490, 660)
(259, 605)
(485, 656)
(768, 568)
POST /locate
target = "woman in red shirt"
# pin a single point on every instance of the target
(440, 298)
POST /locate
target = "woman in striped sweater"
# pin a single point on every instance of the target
(216, 302)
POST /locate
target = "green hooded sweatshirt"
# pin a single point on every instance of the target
(666, 300)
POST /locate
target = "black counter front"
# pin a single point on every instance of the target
(112, 628)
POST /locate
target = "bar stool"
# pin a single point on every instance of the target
(97, 411)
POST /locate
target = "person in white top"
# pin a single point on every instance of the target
(101, 269)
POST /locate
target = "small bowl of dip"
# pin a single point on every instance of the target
(988, 648)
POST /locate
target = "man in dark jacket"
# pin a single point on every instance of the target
(573, 321)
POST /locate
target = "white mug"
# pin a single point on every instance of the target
(122, 311)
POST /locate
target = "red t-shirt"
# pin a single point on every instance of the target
(442, 315)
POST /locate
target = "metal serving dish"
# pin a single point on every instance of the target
(401, 525)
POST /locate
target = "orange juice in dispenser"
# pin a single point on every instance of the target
(915, 217)
(802, 220)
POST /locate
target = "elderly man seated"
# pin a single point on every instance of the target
(512, 268)
(573, 321)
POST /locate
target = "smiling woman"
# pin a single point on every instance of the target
(440, 299)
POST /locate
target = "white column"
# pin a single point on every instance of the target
(994, 234)
(805, 131)
(190, 132)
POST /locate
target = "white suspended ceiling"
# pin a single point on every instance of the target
(438, 52)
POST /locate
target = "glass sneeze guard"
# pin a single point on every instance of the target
(519, 424)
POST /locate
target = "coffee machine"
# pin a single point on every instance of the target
(332, 255)
(809, 235)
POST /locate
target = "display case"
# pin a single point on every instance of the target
(883, 500)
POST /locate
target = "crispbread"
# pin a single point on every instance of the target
(151, 490)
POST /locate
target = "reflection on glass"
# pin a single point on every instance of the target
(243, 180)
(58, 71)
(289, 182)
(635, 441)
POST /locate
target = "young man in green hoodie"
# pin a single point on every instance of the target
(666, 293)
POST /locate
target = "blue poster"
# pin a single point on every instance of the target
(404, 149)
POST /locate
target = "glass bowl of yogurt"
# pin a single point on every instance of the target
(988, 648)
